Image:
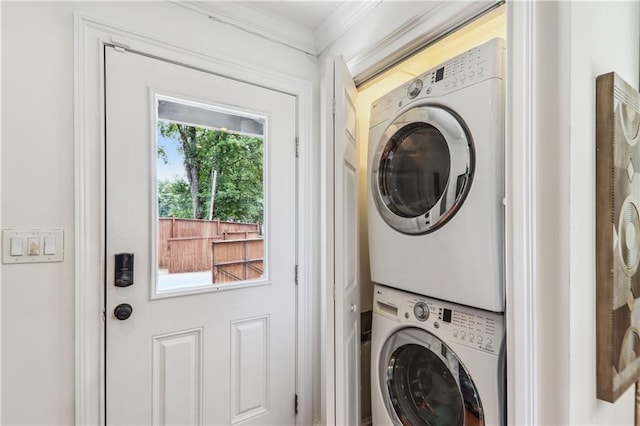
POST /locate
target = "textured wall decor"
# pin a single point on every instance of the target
(617, 235)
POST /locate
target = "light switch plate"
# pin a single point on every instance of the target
(16, 246)
(30, 242)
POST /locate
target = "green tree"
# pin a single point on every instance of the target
(187, 136)
(174, 199)
(236, 162)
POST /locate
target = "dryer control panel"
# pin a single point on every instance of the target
(473, 66)
(475, 328)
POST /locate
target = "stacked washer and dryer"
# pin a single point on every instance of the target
(436, 232)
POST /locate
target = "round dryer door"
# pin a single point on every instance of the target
(424, 382)
(422, 169)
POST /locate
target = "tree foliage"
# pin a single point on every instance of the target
(237, 161)
(174, 199)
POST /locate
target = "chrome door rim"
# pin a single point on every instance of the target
(472, 405)
(461, 158)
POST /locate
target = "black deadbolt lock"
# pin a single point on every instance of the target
(123, 311)
(124, 269)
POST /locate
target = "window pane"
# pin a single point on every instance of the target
(210, 193)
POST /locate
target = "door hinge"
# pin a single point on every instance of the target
(119, 45)
(296, 403)
(296, 274)
(297, 147)
(333, 106)
(104, 315)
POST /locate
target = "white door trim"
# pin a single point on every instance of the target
(521, 205)
(0, 223)
(90, 36)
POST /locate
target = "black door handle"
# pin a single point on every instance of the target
(123, 311)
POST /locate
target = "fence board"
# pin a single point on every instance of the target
(189, 254)
(172, 256)
(239, 235)
(235, 260)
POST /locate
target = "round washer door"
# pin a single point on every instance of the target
(424, 383)
(422, 169)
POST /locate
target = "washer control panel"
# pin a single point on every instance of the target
(475, 328)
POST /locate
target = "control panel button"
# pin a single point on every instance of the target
(421, 311)
(414, 88)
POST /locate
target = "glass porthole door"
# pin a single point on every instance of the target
(424, 382)
(422, 169)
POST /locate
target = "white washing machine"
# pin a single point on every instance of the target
(436, 189)
(435, 363)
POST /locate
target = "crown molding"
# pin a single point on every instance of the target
(260, 23)
(282, 30)
(343, 18)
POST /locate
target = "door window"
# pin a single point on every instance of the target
(422, 169)
(426, 382)
(414, 169)
(210, 196)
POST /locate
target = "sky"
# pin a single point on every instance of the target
(175, 167)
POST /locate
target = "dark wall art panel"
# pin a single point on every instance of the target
(617, 235)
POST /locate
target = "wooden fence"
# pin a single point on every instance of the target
(185, 245)
(237, 260)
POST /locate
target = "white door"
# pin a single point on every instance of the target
(343, 157)
(212, 344)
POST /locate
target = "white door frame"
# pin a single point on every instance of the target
(90, 37)
(521, 205)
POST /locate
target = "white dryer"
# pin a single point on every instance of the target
(436, 189)
(435, 363)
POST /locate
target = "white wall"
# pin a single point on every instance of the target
(604, 37)
(574, 42)
(38, 183)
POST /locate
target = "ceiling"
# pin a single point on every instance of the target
(309, 26)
